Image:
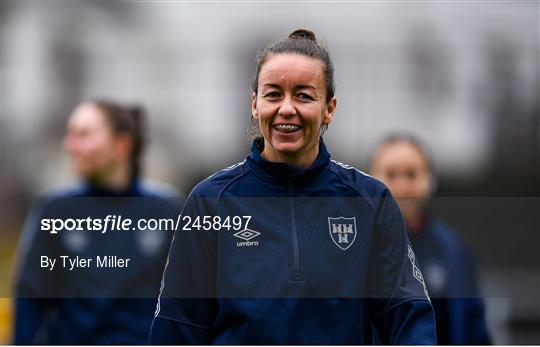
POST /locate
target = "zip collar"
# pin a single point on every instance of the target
(274, 171)
(422, 228)
(93, 190)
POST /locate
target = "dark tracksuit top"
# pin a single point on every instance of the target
(324, 258)
(92, 305)
(450, 276)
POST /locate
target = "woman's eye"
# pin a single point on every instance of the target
(411, 175)
(304, 96)
(272, 95)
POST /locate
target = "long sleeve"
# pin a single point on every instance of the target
(30, 306)
(186, 306)
(402, 311)
(465, 310)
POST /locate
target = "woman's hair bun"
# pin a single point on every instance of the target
(303, 34)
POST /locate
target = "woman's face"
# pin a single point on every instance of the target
(290, 106)
(403, 168)
(90, 142)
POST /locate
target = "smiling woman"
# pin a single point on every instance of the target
(293, 98)
(325, 256)
(291, 108)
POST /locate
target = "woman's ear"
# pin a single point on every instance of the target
(330, 110)
(254, 105)
(124, 145)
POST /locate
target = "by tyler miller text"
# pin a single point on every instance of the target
(77, 262)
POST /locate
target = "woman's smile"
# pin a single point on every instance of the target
(287, 128)
(291, 108)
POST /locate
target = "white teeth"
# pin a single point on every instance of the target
(287, 127)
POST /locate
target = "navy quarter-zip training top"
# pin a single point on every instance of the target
(450, 274)
(321, 257)
(92, 305)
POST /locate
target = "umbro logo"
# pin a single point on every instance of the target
(247, 235)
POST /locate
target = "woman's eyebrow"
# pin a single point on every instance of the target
(303, 86)
(296, 87)
(271, 85)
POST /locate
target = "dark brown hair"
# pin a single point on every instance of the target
(126, 120)
(303, 42)
(409, 139)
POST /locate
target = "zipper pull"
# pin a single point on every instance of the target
(291, 189)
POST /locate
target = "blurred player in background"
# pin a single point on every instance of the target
(92, 305)
(405, 166)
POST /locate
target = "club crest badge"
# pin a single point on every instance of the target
(342, 231)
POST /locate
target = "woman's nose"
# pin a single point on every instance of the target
(287, 109)
(72, 144)
(400, 187)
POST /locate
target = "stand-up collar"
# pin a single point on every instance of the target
(270, 170)
(423, 226)
(92, 189)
